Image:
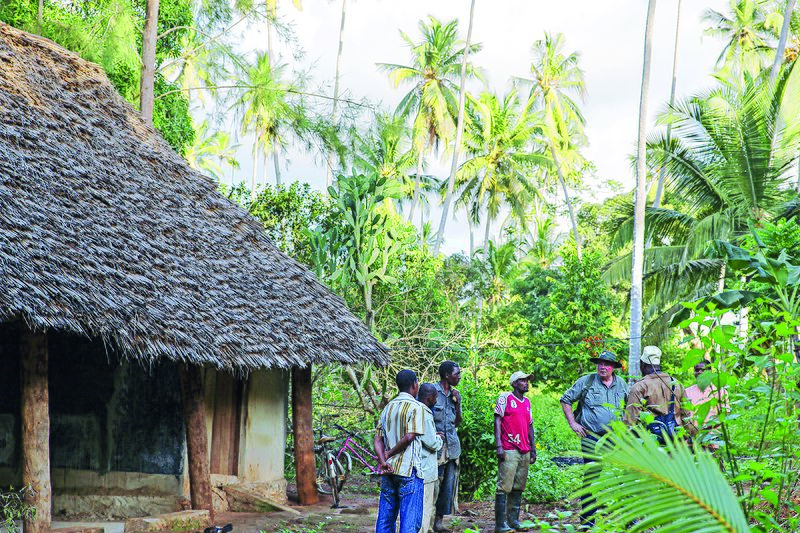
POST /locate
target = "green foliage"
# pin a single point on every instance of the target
(562, 310)
(14, 507)
(171, 115)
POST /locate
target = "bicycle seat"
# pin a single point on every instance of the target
(325, 439)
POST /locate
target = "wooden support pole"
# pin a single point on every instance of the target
(194, 417)
(35, 415)
(304, 436)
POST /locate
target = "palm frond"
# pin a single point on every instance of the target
(670, 489)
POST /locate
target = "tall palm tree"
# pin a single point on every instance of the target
(728, 164)
(435, 64)
(211, 151)
(556, 79)
(637, 267)
(499, 163)
(746, 49)
(334, 108)
(782, 38)
(451, 181)
(266, 110)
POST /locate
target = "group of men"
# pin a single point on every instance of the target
(418, 448)
(418, 452)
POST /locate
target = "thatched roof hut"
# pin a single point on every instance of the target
(106, 232)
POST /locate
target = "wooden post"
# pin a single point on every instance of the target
(304, 436)
(194, 417)
(35, 414)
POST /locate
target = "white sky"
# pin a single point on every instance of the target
(608, 34)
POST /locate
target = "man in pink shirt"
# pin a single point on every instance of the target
(516, 450)
(700, 396)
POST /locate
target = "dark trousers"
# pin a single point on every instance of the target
(447, 486)
(590, 473)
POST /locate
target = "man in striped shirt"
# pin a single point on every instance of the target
(396, 445)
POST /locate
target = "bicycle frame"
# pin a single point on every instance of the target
(354, 447)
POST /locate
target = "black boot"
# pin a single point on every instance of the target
(512, 512)
(500, 525)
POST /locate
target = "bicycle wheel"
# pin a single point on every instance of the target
(323, 476)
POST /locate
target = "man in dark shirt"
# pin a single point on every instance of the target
(447, 416)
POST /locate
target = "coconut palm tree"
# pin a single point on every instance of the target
(211, 151)
(728, 163)
(556, 79)
(499, 161)
(451, 180)
(434, 67)
(746, 48)
(266, 110)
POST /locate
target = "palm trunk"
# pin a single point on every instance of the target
(486, 237)
(572, 219)
(451, 180)
(329, 170)
(40, 17)
(638, 219)
(255, 173)
(662, 173)
(417, 179)
(147, 82)
(787, 17)
(276, 160)
(471, 239)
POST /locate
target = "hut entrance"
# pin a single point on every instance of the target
(226, 425)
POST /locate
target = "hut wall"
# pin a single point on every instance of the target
(116, 428)
(263, 437)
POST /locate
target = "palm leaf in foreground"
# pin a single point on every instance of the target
(645, 487)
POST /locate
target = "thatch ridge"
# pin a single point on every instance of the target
(106, 232)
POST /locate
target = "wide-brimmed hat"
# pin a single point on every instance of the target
(519, 375)
(606, 357)
(651, 355)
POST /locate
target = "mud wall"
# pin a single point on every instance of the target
(105, 414)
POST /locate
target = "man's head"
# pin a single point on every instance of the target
(699, 368)
(650, 361)
(407, 382)
(606, 363)
(427, 394)
(450, 372)
(519, 382)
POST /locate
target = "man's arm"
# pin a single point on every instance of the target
(532, 440)
(634, 406)
(380, 451)
(573, 424)
(687, 418)
(401, 445)
(501, 453)
(430, 439)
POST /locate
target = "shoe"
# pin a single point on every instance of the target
(500, 525)
(514, 502)
(438, 527)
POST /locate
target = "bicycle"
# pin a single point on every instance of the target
(331, 474)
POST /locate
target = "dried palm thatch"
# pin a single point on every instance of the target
(106, 232)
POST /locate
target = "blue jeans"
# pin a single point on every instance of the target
(403, 495)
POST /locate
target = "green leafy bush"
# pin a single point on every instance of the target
(14, 507)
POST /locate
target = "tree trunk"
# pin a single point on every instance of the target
(370, 313)
(637, 273)
(329, 170)
(451, 180)
(35, 419)
(276, 159)
(302, 423)
(194, 418)
(147, 82)
(662, 173)
(255, 173)
(471, 238)
(486, 237)
(787, 17)
(40, 16)
(415, 195)
(572, 219)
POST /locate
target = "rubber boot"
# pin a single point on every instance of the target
(512, 510)
(500, 525)
(438, 527)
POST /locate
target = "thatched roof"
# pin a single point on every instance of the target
(106, 232)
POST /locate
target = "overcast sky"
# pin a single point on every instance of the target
(608, 35)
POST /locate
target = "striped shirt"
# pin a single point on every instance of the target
(403, 415)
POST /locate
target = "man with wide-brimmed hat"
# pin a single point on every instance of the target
(516, 450)
(592, 394)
